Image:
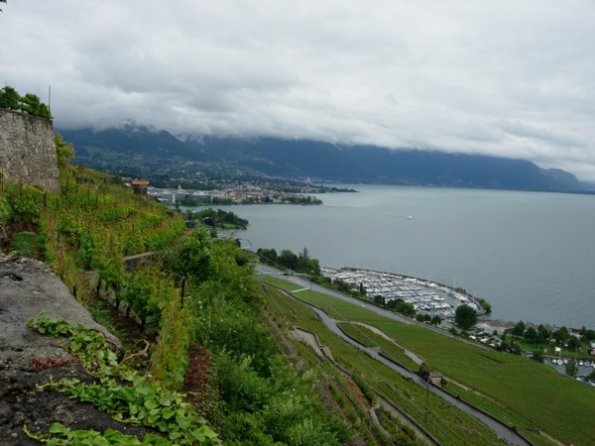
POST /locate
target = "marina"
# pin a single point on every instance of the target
(434, 298)
(428, 297)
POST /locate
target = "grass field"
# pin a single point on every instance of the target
(448, 424)
(523, 392)
(370, 339)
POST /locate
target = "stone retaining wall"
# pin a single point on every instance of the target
(27, 150)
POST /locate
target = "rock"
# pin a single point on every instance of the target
(27, 359)
(29, 288)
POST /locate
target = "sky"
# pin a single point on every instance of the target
(510, 78)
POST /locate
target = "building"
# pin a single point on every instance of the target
(140, 186)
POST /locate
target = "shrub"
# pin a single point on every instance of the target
(170, 358)
(240, 386)
(5, 212)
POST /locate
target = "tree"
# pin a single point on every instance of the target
(589, 335)
(288, 259)
(531, 334)
(9, 98)
(561, 334)
(191, 258)
(465, 317)
(342, 286)
(267, 255)
(378, 299)
(362, 290)
(30, 104)
(400, 306)
(519, 329)
(573, 342)
(436, 320)
(543, 334)
(487, 307)
(44, 112)
(420, 317)
(306, 264)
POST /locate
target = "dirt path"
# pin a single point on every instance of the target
(307, 338)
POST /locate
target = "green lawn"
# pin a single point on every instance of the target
(534, 394)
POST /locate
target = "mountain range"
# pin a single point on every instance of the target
(157, 154)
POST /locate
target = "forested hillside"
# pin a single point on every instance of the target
(139, 151)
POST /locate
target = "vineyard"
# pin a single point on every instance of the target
(196, 305)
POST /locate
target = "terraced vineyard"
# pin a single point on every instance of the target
(523, 393)
(446, 423)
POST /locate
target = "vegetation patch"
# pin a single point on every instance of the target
(121, 391)
(516, 383)
(217, 219)
(371, 339)
(446, 423)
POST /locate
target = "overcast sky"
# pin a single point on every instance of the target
(513, 78)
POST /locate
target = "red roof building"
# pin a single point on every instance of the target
(140, 186)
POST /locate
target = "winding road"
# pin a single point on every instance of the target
(505, 432)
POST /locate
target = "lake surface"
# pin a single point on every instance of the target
(532, 255)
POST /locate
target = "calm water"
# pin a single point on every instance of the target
(532, 255)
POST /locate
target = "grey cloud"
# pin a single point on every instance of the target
(541, 134)
(505, 78)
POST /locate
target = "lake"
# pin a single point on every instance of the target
(531, 255)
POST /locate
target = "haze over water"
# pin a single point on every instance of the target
(532, 255)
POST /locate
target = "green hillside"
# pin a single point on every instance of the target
(211, 361)
(214, 356)
(524, 393)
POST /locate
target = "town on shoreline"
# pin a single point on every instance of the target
(244, 192)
